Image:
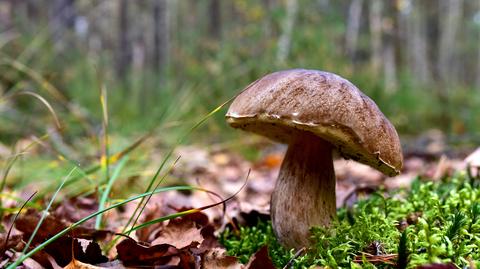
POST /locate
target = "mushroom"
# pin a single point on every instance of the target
(314, 112)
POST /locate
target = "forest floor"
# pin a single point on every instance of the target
(231, 192)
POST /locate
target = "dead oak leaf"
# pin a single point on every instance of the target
(132, 253)
(146, 234)
(61, 251)
(28, 221)
(52, 225)
(179, 234)
(74, 264)
(12, 242)
(76, 208)
(182, 232)
(260, 260)
(216, 258)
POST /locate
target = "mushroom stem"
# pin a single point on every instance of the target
(304, 194)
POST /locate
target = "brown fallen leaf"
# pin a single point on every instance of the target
(61, 251)
(77, 208)
(473, 163)
(12, 242)
(74, 264)
(52, 225)
(182, 232)
(216, 258)
(151, 212)
(260, 260)
(27, 223)
(474, 158)
(132, 253)
(272, 160)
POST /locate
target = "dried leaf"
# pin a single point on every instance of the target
(28, 221)
(474, 158)
(216, 258)
(14, 242)
(74, 264)
(152, 212)
(132, 253)
(77, 208)
(52, 225)
(260, 260)
(61, 251)
(182, 232)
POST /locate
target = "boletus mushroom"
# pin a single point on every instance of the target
(314, 112)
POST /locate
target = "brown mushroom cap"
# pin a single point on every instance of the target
(282, 104)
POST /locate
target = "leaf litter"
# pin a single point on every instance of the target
(191, 241)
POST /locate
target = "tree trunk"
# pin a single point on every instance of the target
(124, 53)
(417, 44)
(390, 67)
(375, 19)
(452, 14)
(161, 37)
(390, 60)
(7, 18)
(353, 27)
(285, 40)
(215, 20)
(62, 18)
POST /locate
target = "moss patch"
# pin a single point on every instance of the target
(433, 222)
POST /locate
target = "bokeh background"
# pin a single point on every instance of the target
(170, 62)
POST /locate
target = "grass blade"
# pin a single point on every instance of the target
(190, 211)
(45, 211)
(9, 166)
(106, 192)
(4, 247)
(141, 204)
(46, 86)
(44, 102)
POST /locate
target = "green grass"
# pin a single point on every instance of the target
(440, 221)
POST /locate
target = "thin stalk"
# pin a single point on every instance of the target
(148, 198)
(105, 160)
(4, 247)
(106, 192)
(45, 211)
(141, 205)
(9, 166)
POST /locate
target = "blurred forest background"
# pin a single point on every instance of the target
(172, 61)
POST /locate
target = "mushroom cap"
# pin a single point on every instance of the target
(284, 104)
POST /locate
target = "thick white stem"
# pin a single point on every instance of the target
(304, 195)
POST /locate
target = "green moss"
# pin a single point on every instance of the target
(440, 223)
(246, 241)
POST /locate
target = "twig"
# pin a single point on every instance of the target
(4, 247)
(299, 253)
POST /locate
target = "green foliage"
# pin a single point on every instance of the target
(434, 222)
(247, 240)
(203, 71)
